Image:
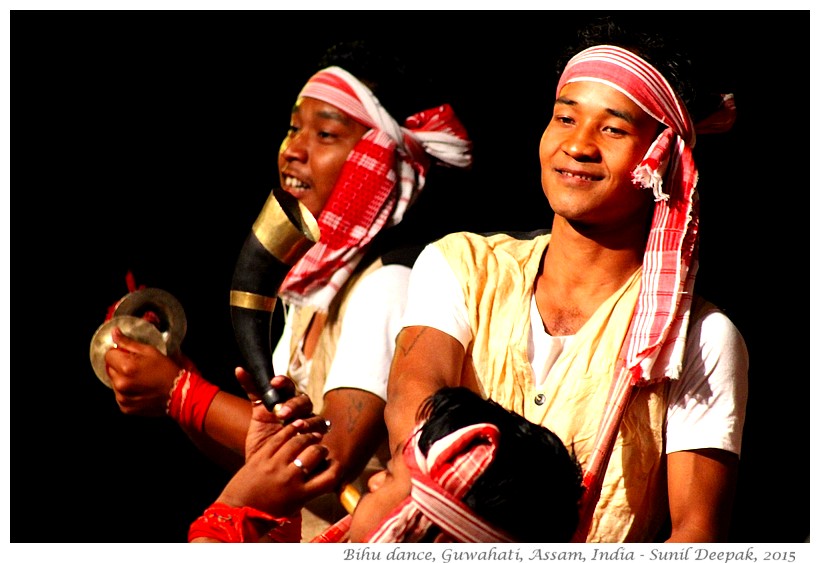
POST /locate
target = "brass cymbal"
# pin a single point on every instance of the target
(172, 323)
(134, 328)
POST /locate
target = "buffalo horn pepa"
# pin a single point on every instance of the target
(282, 233)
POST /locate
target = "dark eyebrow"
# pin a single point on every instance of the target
(335, 116)
(339, 116)
(620, 114)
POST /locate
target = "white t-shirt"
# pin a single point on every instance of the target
(367, 338)
(707, 405)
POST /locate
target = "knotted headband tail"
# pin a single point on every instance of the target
(380, 179)
(439, 481)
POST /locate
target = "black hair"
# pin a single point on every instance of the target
(532, 488)
(402, 86)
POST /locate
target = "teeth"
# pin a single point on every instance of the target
(292, 182)
(571, 175)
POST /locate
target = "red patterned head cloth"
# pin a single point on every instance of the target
(654, 344)
(381, 177)
(439, 481)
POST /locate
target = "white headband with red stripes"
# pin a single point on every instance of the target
(338, 87)
(382, 176)
(439, 480)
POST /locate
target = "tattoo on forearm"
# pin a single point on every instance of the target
(354, 411)
(406, 350)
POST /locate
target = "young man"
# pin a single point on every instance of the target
(457, 478)
(357, 170)
(593, 330)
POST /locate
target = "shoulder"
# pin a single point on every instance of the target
(483, 244)
(714, 342)
(384, 280)
(712, 322)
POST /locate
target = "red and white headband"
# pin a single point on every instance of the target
(439, 481)
(381, 178)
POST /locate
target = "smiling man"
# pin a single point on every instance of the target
(593, 330)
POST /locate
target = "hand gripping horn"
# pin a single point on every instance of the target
(282, 233)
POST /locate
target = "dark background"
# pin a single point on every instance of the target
(146, 141)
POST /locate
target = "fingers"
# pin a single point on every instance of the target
(284, 384)
(318, 473)
(297, 447)
(248, 384)
(246, 381)
(311, 459)
(299, 406)
(315, 423)
(306, 451)
(122, 342)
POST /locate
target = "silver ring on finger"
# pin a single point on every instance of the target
(298, 463)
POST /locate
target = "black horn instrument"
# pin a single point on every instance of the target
(282, 233)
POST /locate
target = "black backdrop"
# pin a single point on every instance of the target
(146, 141)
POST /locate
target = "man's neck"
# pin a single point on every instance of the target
(580, 270)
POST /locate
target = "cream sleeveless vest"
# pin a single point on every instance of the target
(497, 274)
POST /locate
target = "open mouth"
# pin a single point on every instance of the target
(293, 183)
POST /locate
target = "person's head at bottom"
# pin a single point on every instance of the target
(471, 472)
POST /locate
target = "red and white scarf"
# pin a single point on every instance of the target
(381, 177)
(654, 344)
(439, 481)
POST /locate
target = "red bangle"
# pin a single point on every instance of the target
(189, 400)
(230, 524)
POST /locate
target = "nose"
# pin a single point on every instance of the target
(580, 145)
(294, 148)
(376, 480)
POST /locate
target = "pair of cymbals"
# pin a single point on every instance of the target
(151, 316)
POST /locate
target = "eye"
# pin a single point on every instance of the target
(615, 131)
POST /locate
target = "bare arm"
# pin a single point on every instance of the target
(356, 431)
(142, 378)
(701, 493)
(226, 425)
(227, 421)
(426, 359)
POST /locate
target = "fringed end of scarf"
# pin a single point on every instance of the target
(647, 176)
(649, 173)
